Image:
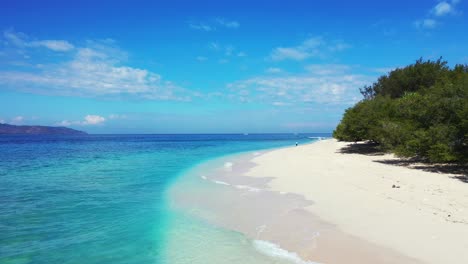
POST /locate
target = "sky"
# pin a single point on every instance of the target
(210, 66)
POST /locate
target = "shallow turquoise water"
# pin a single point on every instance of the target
(101, 199)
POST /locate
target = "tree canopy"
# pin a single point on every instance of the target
(417, 111)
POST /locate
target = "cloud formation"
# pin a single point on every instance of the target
(273, 70)
(89, 120)
(312, 47)
(201, 26)
(227, 23)
(426, 23)
(444, 8)
(328, 84)
(22, 40)
(440, 10)
(224, 52)
(117, 116)
(327, 69)
(214, 25)
(55, 45)
(17, 120)
(95, 70)
(241, 54)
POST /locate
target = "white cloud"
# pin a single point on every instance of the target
(116, 116)
(227, 23)
(201, 26)
(323, 87)
(273, 70)
(384, 70)
(214, 46)
(214, 24)
(327, 69)
(443, 8)
(64, 123)
(228, 50)
(426, 23)
(340, 46)
(22, 40)
(201, 58)
(89, 120)
(93, 120)
(95, 70)
(55, 45)
(280, 53)
(225, 51)
(298, 125)
(280, 104)
(15, 38)
(17, 120)
(312, 47)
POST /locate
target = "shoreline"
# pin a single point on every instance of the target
(425, 217)
(248, 205)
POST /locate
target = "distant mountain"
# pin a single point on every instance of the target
(6, 129)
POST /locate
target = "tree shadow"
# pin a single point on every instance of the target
(364, 148)
(459, 171)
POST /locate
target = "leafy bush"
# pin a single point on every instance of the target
(417, 111)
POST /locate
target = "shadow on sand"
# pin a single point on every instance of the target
(364, 148)
(460, 171)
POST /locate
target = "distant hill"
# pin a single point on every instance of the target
(6, 129)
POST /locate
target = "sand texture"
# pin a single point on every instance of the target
(418, 213)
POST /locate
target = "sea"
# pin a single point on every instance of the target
(104, 199)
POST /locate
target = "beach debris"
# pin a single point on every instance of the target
(395, 186)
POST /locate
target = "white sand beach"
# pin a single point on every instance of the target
(417, 213)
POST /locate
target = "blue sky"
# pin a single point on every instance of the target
(210, 66)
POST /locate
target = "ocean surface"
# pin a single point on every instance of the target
(103, 199)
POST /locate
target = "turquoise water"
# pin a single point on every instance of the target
(102, 199)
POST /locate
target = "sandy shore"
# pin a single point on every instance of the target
(426, 218)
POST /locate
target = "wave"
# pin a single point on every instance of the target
(319, 138)
(248, 188)
(228, 165)
(240, 187)
(275, 251)
(221, 183)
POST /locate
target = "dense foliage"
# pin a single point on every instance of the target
(417, 111)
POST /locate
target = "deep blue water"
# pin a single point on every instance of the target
(100, 198)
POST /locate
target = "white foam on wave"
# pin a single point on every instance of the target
(203, 177)
(256, 153)
(228, 165)
(248, 188)
(273, 250)
(221, 183)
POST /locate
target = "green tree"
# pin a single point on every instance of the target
(417, 111)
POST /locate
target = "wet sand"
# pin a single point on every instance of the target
(409, 212)
(225, 194)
